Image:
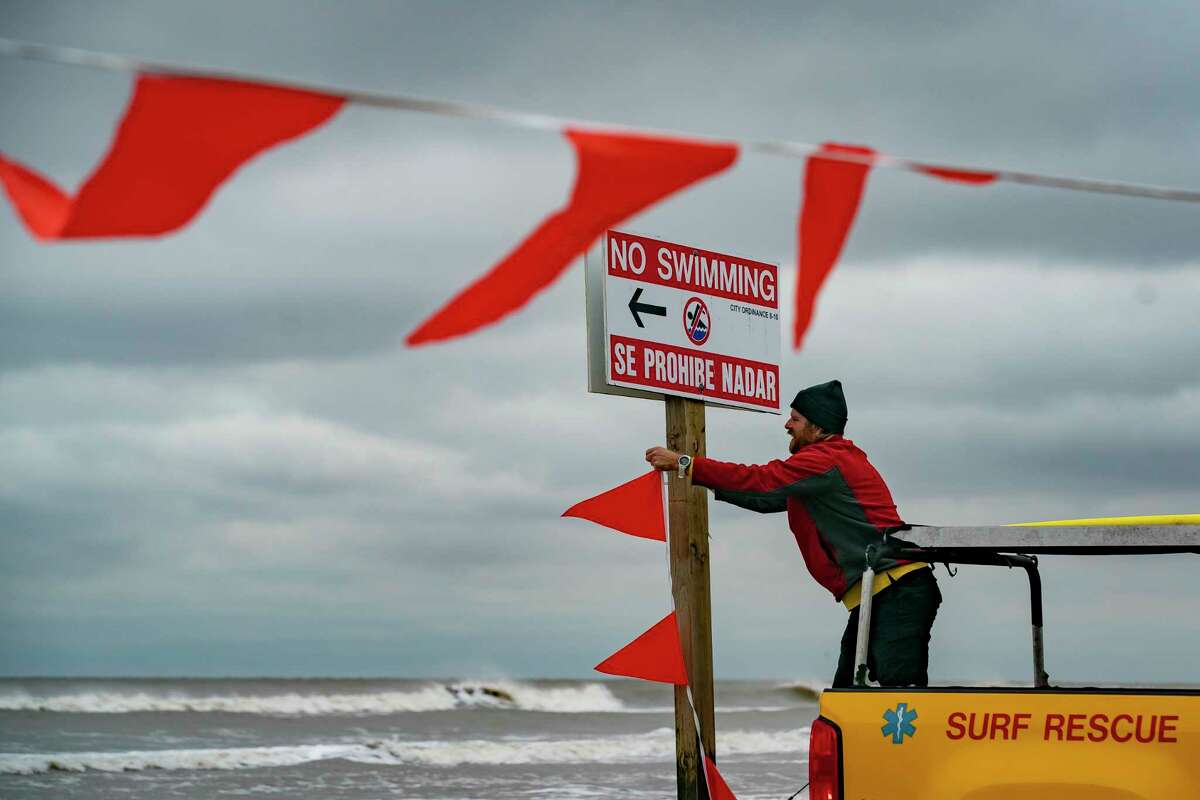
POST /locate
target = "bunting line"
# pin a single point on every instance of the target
(179, 140)
(630, 660)
(446, 108)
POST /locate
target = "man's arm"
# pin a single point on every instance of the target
(764, 503)
(810, 471)
(805, 473)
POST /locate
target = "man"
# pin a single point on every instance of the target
(837, 504)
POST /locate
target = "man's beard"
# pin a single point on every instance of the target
(794, 445)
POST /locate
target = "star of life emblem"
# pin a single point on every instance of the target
(900, 723)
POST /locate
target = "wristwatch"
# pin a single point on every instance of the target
(685, 461)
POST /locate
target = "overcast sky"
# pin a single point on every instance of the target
(217, 457)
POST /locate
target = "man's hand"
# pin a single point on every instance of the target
(663, 459)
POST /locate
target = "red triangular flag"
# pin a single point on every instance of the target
(832, 191)
(634, 507)
(717, 788)
(619, 174)
(969, 176)
(180, 138)
(653, 656)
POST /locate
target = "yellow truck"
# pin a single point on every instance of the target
(974, 743)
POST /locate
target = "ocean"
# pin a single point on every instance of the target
(374, 738)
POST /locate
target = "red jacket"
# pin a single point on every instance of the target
(836, 502)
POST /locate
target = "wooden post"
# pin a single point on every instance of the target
(688, 509)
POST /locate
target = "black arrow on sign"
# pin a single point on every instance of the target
(635, 307)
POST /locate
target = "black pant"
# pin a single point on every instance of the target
(901, 619)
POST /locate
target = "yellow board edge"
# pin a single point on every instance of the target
(1158, 519)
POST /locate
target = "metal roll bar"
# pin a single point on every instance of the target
(949, 556)
(1013, 546)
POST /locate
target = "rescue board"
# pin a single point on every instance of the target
(1164, 533)
(1157, 519)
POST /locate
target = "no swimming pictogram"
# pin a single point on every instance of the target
(697, 323)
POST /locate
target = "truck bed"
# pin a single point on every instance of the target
(992, 743)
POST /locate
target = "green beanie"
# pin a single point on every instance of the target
(823, 405)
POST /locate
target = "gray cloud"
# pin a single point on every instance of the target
(215, 456)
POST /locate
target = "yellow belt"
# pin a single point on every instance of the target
(881, 582)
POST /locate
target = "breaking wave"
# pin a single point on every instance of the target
(587, 698)
(808, 689)
(658, 745)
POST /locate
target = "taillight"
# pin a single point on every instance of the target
(824, 761)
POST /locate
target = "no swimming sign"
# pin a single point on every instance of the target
(684, 321)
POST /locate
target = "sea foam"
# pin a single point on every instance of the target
(588, 698)
(657, 745)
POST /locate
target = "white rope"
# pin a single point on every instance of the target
(447, 108)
